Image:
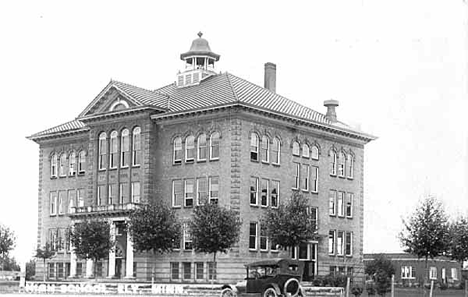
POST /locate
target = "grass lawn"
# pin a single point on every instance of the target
(406, 292)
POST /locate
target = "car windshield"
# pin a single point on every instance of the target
(262, 271)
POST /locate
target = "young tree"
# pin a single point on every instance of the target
(381, 269)
(291, 223)
(44, 253)
(214, 229)
(30, 269)
(458, 246)
(91, 240)
(7, 243)
(425, 233)
(154, 228)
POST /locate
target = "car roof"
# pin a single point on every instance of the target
(273, 262)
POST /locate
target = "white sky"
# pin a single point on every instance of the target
(398, 68)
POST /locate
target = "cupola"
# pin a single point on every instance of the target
(199, 63)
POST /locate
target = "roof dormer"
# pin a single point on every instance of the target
(199, 63)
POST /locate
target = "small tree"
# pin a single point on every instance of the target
(214, 229)
(91, 240)
(154, 228)
(381, 269)
(44, 253)
(458, 246)
(425, 233)
(7, 243)
(30, 269)
(291, 223)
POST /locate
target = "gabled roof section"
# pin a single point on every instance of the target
(70, 127)
(137, 96)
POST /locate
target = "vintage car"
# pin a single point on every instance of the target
(268, 278)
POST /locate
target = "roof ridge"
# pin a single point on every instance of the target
(231, 86)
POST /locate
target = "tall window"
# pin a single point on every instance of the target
(295, 149)
(213, 184)
(332, 162)
(313, 213)
(136, 192)
(136, 146)
(112, 194)
(314, 179)
(201, 144)
(274, 199)
(174, 270)
(80, 198)
(340, 204)
(61, 202)
(454, 273)
(71, 200)
(253, 147)
(253, 190)
(341, 165)
(264, 192)
(340, 243)
(350, 165)
(315, 152)
(253, 235)
(53, 165)
(275, 151)
(187, 270)
(305, 177)
(332, 203)
(63, 164)
(263, 238)
(189, 192)
(265, 149)
(114, 150)
(102, 150)
(349, 205)
(202, 190)
(53, 203)
(190, 149)
(349, 244)
(214, 146)
(407, 272)
(187, 237)
(178, 150)
(331, 242)
(305, 150)
(433, 272)
(212, 270)
(100, 195)
(81, 162)
(72, 164)
(177, 192)
(199, 270)
(124, 148)
(123, 193)
(297, 171)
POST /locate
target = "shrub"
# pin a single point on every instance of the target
(370, 288)
(357, 290)
(443, 286)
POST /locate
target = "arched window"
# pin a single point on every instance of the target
(124, 148)
(136, 146)
(177, 153)
(53, 165)
(332, 162)
(254, 147)
(275, 151)
(189, 149)
(72, 164)
(201, 144)
(214, 146)
(341, 165)
(63, 164)
(114, 150)
(81, 162)
(350, 165)
(305, 150)
(265, 149)
(315, 152)
(102, 148)
(295, 148)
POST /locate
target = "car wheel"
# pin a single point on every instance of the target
(228, 292)
(292, 287)
(270, 292)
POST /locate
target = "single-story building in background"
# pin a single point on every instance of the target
(410, 271)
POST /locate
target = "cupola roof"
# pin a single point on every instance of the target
(200, 47)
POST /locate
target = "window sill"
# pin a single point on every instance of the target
(253, 250)
(190, 161)
(62, 176)
(342, 176)
(81, 173)
(315, 159)
(276, 164)
(201, 161)
(53, 177)
(349, 217)
(214, 159)
(112, 168)
(305, 190)
(71, 175)
(264, 251)
(255, 161)
(314, 192)
(176, 206)
(265, 162)
(136, 165)
(350, 178)
(274, 251)
(253, 205)
(102, 169)
(177, 163)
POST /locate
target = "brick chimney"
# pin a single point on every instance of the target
(331, 112)
(270, 76)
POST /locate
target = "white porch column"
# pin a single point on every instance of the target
(129, 257)
(72, 263)
(89, 268)
(111, 272)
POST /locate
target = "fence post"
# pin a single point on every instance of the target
(347, 286)
(432, 288)
(466, 288)
(393, 286)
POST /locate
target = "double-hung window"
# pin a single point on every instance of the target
(202, 190)
(264, 192)
(433, 272)
(114, 150)
(61, 202)
(305, 177)
(341, 165)
(265, 152)
(53, 203)
(331, 242)
(407, 272)
(190, 149)
(349, 243)
(340, 243)
(123, 193)
(102, 148)
(136, 192)
(80, 198)
(213, 184)
(332, 203)
(296, 180)
(214, 146)
(315, 152)
(340, 204)
(187, 237)
(63, 164)
(295, 149)
(253, 190)
(333, 163)
(100, 194)
(313, 213)
(305, 151)
(349, 205)
(112, 194)
(72, 164)
(136, 146)
(263, 238)
(189, 192)
(253, 235)
(254, 147)
(274, 196)
(177, 154)
(124, 148)
(350, 166)
(177, 193)
(201, 145)
(275, 151)
(314, 178)
(81, 162)
(53, 165)
(71, 200)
